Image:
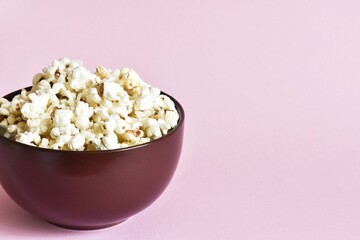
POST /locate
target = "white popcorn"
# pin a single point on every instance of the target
(68, 94)
(110, 142)
(33, 125)
(61, 141)
(4, 111)
(65, 130)
(134, 123)
(65, 61)
(36, 138)
(163, 126)
(71, 108)
(37, 77)
(43, 85)
(28, 138)
(75, 63)
(107, 103)
(31, 110)
(4, 102)
(76, 142)
(82, 123)
(80, 78)
(57, 87)
(154, 91)
(112, 90)
(4, 123)
(12, 128)
(139, 141)
(132, 79)
(153, 131)
(92, 142)
(160, 114)
(100, 127)
(150, 122)
(62, 117)
(39, 101)
(110, 126)
(171, 118)
(84, 110)
(44, 143)
(121, 125)
(92, 95)
(132, 135)
(49, 73)
(168, 103)
(88, 135)
(101, 72)
(102, 113)
(83, 113)
(16, 104)
(145, 101)
(25, 138)
(55, 132)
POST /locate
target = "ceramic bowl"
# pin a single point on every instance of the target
(89, 190)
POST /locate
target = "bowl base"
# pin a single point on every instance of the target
(86, 227)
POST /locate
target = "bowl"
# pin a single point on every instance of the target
(87, 190)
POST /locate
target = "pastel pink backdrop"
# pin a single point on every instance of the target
(271, 91)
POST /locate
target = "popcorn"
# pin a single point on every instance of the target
(163, 126)
(83, 113)
(171, 118)
(30, 110)
(146, 100)
(66, 130)
(110, 126)
(153, 131)
(43, 85)
(62, 117)
(29, 138)
(25, 138)
(102, 113)
(4, 123)
(168, 103)
(16, 104)
(4, 112)
(101, 72)
(44, 143)
(121, 107)
(110, 141)
(77, 142)
(92, 96)
(12, 128)
(120, 125)
(11, 119)
(82, 123)
(80, 78)
(112, 90)
(71, 108)
(33, 125)
(57, 87)
(61, 141)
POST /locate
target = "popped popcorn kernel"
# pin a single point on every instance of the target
(101, 72)
(72, 108)
(76, 142)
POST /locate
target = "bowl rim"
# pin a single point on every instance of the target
(181, 120)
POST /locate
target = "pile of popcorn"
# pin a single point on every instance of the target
(71, 108)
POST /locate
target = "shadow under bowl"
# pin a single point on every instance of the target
(89, 189)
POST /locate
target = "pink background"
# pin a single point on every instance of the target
(271, 91)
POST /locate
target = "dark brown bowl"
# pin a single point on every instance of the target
(89, 190)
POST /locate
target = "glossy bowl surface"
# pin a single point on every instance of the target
(89, 190)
